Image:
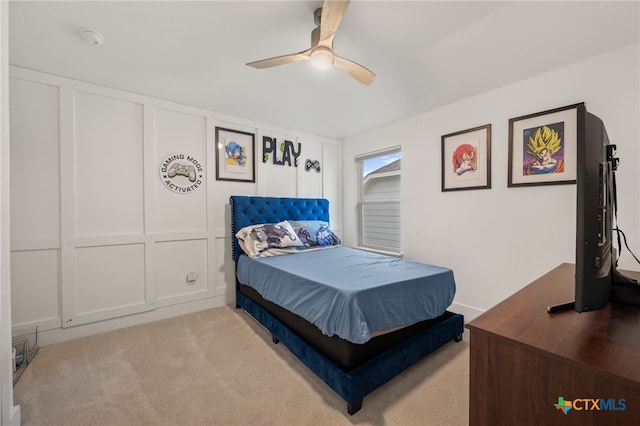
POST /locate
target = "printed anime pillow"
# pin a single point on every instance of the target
(256, 239)
(314, 233)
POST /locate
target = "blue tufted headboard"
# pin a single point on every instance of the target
(247, 211)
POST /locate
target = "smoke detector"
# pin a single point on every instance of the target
(92, 37)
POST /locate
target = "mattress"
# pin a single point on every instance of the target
(350, 293)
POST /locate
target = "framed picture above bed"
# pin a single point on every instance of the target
(235, 155)
(466, 159)
(543, 147)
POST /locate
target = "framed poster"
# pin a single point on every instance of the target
(235, 155)
(543, 147)
(466, 159)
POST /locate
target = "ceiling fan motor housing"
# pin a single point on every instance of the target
(317, 16)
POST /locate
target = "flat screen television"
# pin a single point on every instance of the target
(597, 280)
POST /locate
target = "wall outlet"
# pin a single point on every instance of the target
(192, 277)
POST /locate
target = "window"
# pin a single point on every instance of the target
(379, 200)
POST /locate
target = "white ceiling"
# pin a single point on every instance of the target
(425, 53)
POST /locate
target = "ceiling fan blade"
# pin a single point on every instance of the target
(332, 13)
(281, 60)
(357, 71)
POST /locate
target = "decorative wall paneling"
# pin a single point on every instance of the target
(96, 235)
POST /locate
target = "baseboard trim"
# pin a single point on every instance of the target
(58, 335)
(14, 416)
(469, 312)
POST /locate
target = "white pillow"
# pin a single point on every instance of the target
(256, 239)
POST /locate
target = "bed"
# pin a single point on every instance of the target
(300, 293)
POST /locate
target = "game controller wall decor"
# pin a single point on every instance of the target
(284, 150)
(312, 164)
(235, 155)
(181, 173)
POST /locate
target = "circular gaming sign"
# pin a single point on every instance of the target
(181, 173)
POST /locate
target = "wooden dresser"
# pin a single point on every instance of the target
(523, 360)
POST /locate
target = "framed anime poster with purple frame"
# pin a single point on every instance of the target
(235, 155)
(466, 159)
(543, 147)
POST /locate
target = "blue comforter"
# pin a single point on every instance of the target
(350, 293)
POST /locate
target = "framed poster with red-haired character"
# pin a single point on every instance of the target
(466, 159)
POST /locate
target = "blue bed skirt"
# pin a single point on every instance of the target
(354, 384)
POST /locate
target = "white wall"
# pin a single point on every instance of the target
(500, 239)
(97, 240)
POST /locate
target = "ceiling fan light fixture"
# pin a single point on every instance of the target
(322, 57)
(327, 18)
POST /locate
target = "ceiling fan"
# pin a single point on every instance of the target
(327, 18)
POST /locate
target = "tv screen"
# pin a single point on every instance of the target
(597, 281)
(594, 219)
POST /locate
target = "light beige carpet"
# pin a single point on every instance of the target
(219, 367)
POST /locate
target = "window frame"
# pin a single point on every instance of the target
(363, 202)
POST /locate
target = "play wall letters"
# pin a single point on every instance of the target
(284, 150)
